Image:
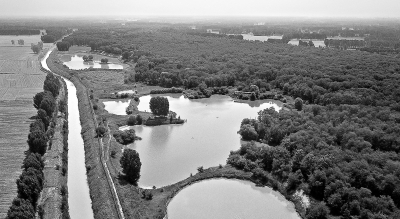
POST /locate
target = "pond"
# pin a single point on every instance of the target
(169, 153)
(317, 43)
(260, 38)
(226, 199)
(116, 107)
(76, 62)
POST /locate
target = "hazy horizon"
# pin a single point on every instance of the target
(205, 8)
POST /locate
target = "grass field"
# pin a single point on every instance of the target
(14, 128)
(20, 79)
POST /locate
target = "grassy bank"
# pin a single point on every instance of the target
(100, 193)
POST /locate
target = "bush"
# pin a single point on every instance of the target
(95, 107)
(100, 131)
(113, 153)
(126, 137)
(200, 169)
(131, 165)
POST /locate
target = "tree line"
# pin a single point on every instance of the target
(41, 130)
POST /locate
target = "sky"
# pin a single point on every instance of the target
(287, 8)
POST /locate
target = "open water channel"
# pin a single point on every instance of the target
(80, 204)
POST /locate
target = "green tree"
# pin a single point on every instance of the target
(248, 132)
(37, 142)
(35, 48)
(317, 211)
(52, 84)
(21, 209)
(159, 106)
(139, 119)
(29, 185)
(131, 120)
(33, 160)
(298, 104)
(131, 165)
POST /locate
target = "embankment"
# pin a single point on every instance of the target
(53, 201)
(100, 189)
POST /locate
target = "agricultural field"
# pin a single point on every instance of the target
(20, 79)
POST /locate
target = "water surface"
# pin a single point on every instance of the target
(79, 202)
(76, 62)
(169, 153)
(229, 199)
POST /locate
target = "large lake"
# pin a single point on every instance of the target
(169, 153)
(229, 199)
(76, 62)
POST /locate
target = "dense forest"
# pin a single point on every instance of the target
(341, 147)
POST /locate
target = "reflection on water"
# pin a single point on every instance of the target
(76, 62)
(223, 198)
(170, 153)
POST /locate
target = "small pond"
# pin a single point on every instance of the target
(169, 153)
(260, 38)
(116, 107)
(76, 62)
(317, 43)
(227, 199)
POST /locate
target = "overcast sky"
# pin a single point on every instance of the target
(308, 8)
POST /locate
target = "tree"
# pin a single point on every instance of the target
(132, 120)
(13, 42)
(33, 160)
(248, 132)
(104, 60)
(21, 42)
(298, 104)
(90, 57)
(29, 185)
(35, 48)
(131, 165)
(42, 115)
(139, 119)
(37, 142)
(126, 55)
(52, 84)
(159, 106)
(21, 209)
(317, 211)
(85, 58)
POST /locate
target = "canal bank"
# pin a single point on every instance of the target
(99, 187)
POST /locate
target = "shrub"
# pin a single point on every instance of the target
(95, 107)
(126, 137)
(200, 169)
(100, 131)
(131, 165)
(113, 153)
